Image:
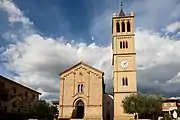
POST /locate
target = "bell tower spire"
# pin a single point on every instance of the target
(121, 13)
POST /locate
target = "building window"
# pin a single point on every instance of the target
(14, 105)
(126, 44)
(14, 90)
(2, 85)
(26, 94)
(123, 26)
(117, 27)
(80, 88)
(125, 81)
(121, 45)
(128, 27)
(33, 97)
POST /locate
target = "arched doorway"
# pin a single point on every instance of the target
(79, 110)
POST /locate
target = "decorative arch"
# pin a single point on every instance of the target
(79, 103)
(79, 98)
(128, 26)
(117, 27)
(123, 26)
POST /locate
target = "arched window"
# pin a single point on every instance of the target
(79, 88)
(117, 27)
(82, 87)
(123, 81)
(128, 26)
(126, 81)
(126, 44)
(123, 26)
(121, 46)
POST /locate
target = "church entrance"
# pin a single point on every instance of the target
(79, 110)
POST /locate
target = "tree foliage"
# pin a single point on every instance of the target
(167, 116)
(178, 111)
(143, 104)
(38, 107)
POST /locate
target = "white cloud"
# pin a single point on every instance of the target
(15, 15)
(43, 58)
(152, 49)
(38, 59)
(173, 27)
(155, 14)
(176, 79)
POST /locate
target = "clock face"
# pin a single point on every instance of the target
(124, 64)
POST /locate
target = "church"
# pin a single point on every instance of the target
(82, 88)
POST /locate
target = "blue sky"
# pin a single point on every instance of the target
(41, 38)
(71, 19)
(74, 19)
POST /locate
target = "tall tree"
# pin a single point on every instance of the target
(143, 104)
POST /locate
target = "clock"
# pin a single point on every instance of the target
(124, 64)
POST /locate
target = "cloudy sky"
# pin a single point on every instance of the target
(41, 38)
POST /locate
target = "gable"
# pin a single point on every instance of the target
(82, 66)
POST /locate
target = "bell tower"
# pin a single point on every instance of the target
(124, 64)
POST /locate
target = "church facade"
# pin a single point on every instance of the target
(82, 93)
(82, 88)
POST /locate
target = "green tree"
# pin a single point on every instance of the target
(178, 111)
(38, 107)
(24, 106)
(144, 104)
(42, 106)
(167, 116)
